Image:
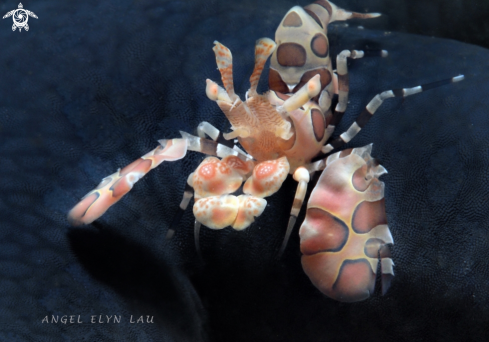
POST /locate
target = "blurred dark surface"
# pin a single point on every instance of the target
(93, 85)
(465, 21)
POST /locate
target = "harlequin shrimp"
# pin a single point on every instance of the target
(344, 237)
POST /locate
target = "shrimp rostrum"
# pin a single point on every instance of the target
(344, 237)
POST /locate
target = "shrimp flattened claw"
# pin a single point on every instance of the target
(345, 233)
(112, 188)
(267, 177)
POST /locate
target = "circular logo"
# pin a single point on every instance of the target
(20, 17)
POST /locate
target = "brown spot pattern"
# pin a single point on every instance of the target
(208, 146)
(292, 20)
(361, 15)
(324, 74)
(318, 123)
(345, 153)
(319, 45)
(359, 180)
(331, 233)
(355, 281)
(328, 117)
(282, 96)
(297, 204)
(344, 82)
(368, 215)
(325, 5)
(363, 118)
(376, 247)
(291, 55)
(276, 83)
(314, 16)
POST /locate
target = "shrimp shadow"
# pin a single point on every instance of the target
(149, 284)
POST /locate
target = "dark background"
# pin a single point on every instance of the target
(465, 21)
(93, 85)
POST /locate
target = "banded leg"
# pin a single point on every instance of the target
(197, 225)
(206, 129)
(301, 175)
(212, 148)
(338, 14)
(375, 103)
(344, 80)
(188, 193)
(343, 83)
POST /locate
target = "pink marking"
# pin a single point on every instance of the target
(343, 280)
(355, 282)
(265, 169)
(77, 215)
(96, 203)
(358, 179)
(121, 187)
(321, 232)
(267, 178)
(369, 215)
(335, 192)
(207, 171)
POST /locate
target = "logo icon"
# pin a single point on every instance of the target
(20, 17)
